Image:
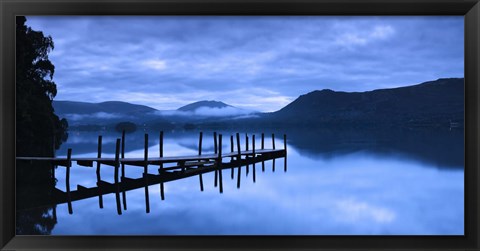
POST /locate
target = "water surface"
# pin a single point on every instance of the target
(338, 182)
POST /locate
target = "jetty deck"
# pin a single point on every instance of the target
(85, 161)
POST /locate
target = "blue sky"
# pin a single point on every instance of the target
(257, 63)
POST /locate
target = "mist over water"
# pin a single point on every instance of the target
(338, 182)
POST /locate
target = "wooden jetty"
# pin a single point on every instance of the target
(183, 167)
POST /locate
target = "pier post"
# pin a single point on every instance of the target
(216, 151)
(99, 155)
(231, 151)
(246, 155)
(145, 174)
(239, 159)
(123, 153)
(215, 142)
(263, 140)
(200, 153)
(162, 193)
(273, 146)
(67, 180)
(145, 155)
(124, 193)
(147, 196)
(117, 185)
(285, 148)
(253, 158)
(53, 175)
(273, 141)
(219, 162)
(263, 147)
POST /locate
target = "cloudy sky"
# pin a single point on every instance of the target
(258, 63)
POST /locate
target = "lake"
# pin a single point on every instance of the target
(338, 182)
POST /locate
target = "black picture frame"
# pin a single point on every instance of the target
(10, 8)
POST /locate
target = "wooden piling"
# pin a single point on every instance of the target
(200, 138)
(239, 159)
(219, 162)
(145, 175)
(162, 189)
(273, 147)
(273, 141)
(99, 155)
(124, 194)
(123, 152)
(263, 147)
(52, 175)
(160, 143)
(67, 180)
(216, 151)
(231, 150)
(263, 140)
(200, 153)
(215, 142)
(147, 196)
(246, 156)
(145, 155)
(273, 165)
(117, 167)
(253, 157)
(54, 212)
(285, 148)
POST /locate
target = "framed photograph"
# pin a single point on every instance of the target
(240, 125)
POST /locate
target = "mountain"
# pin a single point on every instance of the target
(436, 103)
(204, 103)
(92, 116)
(110, 107)
(429, 103)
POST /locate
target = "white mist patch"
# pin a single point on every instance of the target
(220, 112)
(97, 115)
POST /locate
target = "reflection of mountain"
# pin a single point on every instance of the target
(85, 142)
(439, 147)
(443, 148)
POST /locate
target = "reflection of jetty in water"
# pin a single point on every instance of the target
(170, 168)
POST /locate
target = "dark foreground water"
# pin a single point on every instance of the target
(338, 182)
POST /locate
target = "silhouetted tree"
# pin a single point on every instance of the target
(39, 130)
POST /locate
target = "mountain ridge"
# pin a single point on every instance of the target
(203, 103)
(440, 99)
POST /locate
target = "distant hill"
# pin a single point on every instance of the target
(204, 103)
(111, 107)
(92, 116)
(438, 103)
(429, 103)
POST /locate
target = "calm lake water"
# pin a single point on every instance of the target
(338, 182)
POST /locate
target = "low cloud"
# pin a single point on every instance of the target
(352, 38)
(220, 112)
(98, 115)
(155, 64)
